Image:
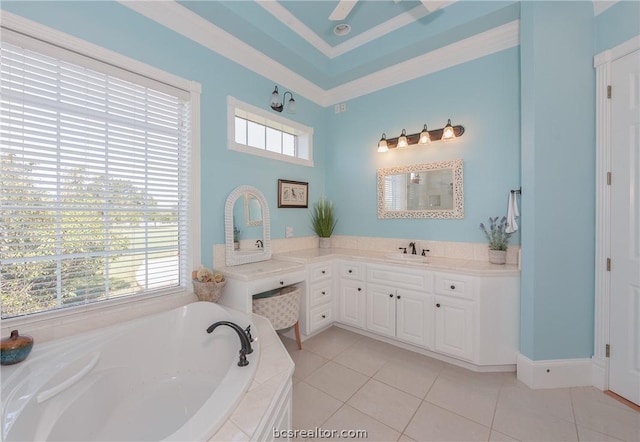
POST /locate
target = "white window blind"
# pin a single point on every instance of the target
(94, 182)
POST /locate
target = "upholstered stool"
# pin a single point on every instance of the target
(281, 309)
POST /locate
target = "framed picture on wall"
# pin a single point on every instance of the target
(293, 194)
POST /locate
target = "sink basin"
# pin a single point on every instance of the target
(406, 257)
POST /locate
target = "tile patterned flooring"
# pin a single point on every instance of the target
(346, 381)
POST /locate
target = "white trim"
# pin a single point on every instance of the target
(486, 43)
(599, 6)
(303, 132)
(195, 229)
(555, 373)
(189, 24)
(288, 19)
(602, 63)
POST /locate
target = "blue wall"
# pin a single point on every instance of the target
(482, 95)
(558, 179)
(116, 27)
(617, 24)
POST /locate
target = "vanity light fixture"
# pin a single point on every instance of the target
(426, 136)
(278, 105)
(382, 144)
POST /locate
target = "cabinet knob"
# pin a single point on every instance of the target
(438, 305)
(323, 272)
(324, 316)
(350, 271)
(281, 282)
(453, 287)
(359, 289)
(398, 296)
(390, 295)
(324, 293)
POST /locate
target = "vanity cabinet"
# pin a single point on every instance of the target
(317, 306)
(351, 294)
(400, 303)
(454, 327)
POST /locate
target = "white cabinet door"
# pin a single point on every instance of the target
(414, 317)
(381, 309)
(454, 327)
(351, 303)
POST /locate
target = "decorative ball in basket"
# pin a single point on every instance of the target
(207, 285)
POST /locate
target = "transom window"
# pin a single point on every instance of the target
(257, 132)
(94, 180)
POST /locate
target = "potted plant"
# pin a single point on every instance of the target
(498, 239)
(323, 221)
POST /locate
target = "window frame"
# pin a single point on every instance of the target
(303, 133)
(127, 307)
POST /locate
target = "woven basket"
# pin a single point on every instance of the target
(282, 309)
(208, 291)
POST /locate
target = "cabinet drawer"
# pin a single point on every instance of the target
(320, 317)
(419, 280)
(318, 272)
(352, 270)
(455, 285)
(320, 293)
(278, 281)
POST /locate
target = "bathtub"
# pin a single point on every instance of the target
(162, 377)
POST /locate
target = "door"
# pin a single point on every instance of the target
(414, 317)
(624, 362)
(454, 327)
(351, 303)
(381, 309)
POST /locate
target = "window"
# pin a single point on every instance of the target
(255, 131)
(94, 180)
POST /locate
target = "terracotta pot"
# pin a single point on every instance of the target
(497, 256)
(15, 348)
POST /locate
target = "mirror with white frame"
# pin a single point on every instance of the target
(255, 239)
(430, 190)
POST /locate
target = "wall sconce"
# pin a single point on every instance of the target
(278, 105)
(447, 133)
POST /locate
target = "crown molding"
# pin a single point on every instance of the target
(599, 6)
(189, 24)
(486, 43)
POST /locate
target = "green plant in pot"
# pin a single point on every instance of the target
(498, 239)
(323, 221)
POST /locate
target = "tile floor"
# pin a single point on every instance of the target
(346, 381)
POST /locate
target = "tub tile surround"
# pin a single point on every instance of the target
(274, 372)
(437, 249)
(452, 403)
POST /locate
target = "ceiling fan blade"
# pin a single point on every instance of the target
(342, 10)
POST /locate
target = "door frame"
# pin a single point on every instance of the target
(602, 63)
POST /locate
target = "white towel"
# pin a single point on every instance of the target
(512, 213)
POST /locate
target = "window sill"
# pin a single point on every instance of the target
(47, 326)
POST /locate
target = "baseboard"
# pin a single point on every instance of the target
(555, 373)
(599, 374)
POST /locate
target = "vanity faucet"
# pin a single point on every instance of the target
(404, 249)
(244, 336)
(413, 248)
(260, 244)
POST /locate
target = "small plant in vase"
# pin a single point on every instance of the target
(323, 221)
(498, 239)
(236, 238)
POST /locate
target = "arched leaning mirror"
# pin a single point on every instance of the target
(245, 241)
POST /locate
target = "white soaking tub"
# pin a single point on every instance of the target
(162, 377)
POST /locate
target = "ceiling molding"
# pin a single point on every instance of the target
(480, 45)
(189, 24)
(291, 21)
(599, 6)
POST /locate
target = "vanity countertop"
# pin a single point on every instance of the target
(473, 267)
(261, 269)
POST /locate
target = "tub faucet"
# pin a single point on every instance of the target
(245, 341)
(413, 248)
(260, 244)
